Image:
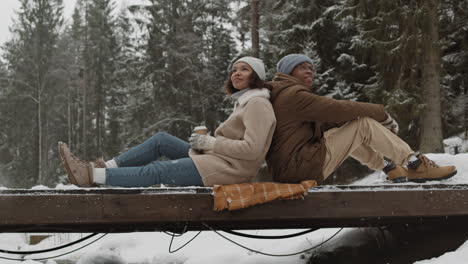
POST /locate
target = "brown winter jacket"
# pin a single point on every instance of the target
(298, 151)
(242, 142)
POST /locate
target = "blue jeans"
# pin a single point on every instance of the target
(140, 167)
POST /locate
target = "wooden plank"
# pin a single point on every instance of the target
(128, 210)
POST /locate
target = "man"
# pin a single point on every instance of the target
(315, 134)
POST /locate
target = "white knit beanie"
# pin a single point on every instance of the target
(256, 65)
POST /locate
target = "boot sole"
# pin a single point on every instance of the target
(426, 179)
(400, 180)
(65, 165)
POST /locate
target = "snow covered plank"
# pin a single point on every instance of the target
(177, 209)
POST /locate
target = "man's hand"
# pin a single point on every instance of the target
(391, 124)
(202, 142)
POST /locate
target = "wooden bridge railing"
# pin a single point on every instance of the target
(156, 209)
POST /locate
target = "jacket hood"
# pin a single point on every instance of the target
(282, 81)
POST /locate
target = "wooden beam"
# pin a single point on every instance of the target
(176, 209)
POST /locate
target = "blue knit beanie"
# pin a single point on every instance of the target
(287, 63)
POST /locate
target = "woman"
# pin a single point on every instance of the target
(233, 155)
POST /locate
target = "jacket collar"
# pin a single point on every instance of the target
(252, 93)
(282, 81)
(286, 79)
(279, 76)
(238, 94)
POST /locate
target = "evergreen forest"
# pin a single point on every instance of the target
(108, 77)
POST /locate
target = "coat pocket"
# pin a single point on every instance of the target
(310, 162)
(310, 151)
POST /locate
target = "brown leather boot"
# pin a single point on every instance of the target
(424, 169)
(100, 163)
(79, 171)
(396, 174)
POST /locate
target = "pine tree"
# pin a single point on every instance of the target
(75, 88)
(159, 106)
(395, 40)
(79, 95)
(80, 34)
(219, 51)
(431, 119)
(187, 53)
(313, 30)
(454, 51)
(6, 156)
(100, 56)
(125, 81)
(29, 55)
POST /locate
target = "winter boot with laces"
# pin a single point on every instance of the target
(99, 163)
(396, 173)
(79, 172)
(423, 169)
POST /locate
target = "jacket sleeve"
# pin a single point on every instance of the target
(259, 121)
(311, 107)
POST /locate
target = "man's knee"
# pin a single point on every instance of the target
(367, 122)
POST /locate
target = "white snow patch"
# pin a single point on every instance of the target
(101, 257)
(40, 187)
(62, 186)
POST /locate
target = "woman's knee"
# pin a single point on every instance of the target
(160, 137)
(157, 139)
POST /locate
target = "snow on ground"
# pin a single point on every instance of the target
(208, 247)
(458, 256)
(152, 247)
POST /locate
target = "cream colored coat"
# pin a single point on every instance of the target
(242, 142)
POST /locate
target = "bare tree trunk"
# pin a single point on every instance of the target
(45, 145)
(465, 112)
(431, 119)
(465, 48)
(39, 137)
(99, 112)
(83, 87)
(254, 29)
(69, 116)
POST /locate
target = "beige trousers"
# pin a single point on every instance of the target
(367, 141)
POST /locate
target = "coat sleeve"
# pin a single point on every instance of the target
(259, 121)
(311, 107)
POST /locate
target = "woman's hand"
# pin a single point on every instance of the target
(202, 142)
